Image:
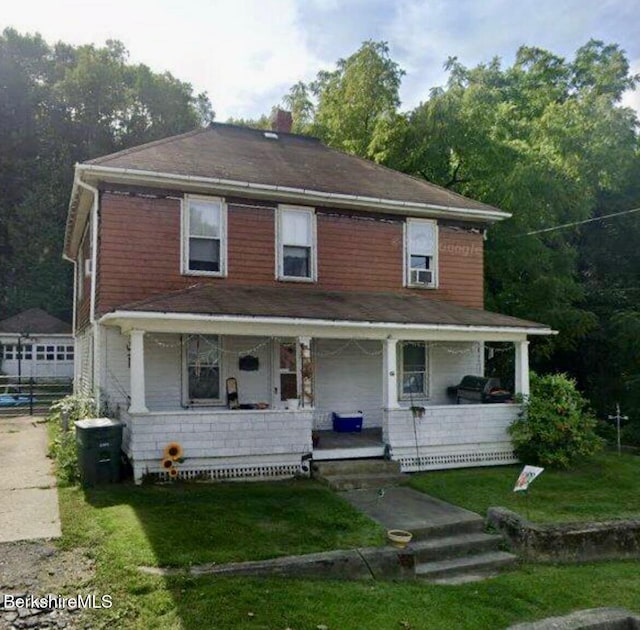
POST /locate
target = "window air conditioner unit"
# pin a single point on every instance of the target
(422, 277)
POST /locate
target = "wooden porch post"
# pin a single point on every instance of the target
(389, 374)
(138, 402)
(522, 367)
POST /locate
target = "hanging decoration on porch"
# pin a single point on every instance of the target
(214, 352)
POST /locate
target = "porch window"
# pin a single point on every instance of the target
(414, 370)
(203, 369)
(9, 352)
(204, 236)
(421, 253)
(296, 236)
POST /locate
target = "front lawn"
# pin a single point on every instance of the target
(602, 489)
(184, 524)
(124, 526)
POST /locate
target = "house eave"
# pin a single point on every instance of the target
(193, 323)
(194, 183)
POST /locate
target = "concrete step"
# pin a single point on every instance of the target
(446, 548)
(469, 525)
(354, 466)
(479, 565)
(360, 481)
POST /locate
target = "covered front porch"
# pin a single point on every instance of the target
(292, 359)
(288, 390)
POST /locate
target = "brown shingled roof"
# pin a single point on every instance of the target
(295, 302)
(35, 321)
(241, 154)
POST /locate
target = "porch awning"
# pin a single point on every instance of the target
(309, 306)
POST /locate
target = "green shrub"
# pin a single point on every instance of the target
(62, 444)
(556, 427)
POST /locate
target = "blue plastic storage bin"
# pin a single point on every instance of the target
(347, 422)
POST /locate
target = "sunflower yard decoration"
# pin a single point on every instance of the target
(171, 457)
(167, 463)
(173, 451)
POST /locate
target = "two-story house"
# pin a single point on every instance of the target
(232, 267)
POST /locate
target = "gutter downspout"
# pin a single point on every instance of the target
(73, 321)
(92, 310)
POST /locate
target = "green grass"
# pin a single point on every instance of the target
(603, 489)
(183, 524)
(180, 524)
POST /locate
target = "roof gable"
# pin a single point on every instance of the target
(34, 321)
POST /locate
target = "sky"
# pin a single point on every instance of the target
(247, 53)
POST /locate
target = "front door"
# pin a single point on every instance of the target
(286, 372)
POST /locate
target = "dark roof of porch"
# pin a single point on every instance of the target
(312, 303)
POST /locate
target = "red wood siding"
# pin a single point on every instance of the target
(139, 253)
(461, 267)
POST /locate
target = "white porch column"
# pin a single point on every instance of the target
(138, 402)
(522, 367)
(389, 374)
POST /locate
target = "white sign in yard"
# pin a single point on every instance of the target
(528, 474)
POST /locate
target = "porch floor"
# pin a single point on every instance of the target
(333, 445)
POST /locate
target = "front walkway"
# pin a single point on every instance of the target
(28, 495)
(408, 509)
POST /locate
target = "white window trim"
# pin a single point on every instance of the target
(202, 402)
(184, 240)
(419, 396)
(313, 263)
(407, 255)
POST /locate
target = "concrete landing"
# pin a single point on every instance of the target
(422, 515)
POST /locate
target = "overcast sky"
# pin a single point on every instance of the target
(247, 53)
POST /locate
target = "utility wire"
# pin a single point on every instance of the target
(566, 225)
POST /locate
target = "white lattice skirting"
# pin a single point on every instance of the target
(437, 461)
(256, 472)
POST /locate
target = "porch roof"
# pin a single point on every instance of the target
(311, 304)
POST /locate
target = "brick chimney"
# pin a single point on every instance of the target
(281, 121)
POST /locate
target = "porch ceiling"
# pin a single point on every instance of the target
(375, 314)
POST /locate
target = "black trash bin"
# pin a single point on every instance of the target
(98, 441)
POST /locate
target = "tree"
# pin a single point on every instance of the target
(60, 105)
(543, 139)
(354, 107)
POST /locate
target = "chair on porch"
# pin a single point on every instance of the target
(232, 393)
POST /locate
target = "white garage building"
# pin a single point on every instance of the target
(35, 343)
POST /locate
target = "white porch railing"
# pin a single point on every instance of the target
(220, 444)
(450, 436)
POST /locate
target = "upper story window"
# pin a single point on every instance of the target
(422, 253)
(296, 244)
(204, 243)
